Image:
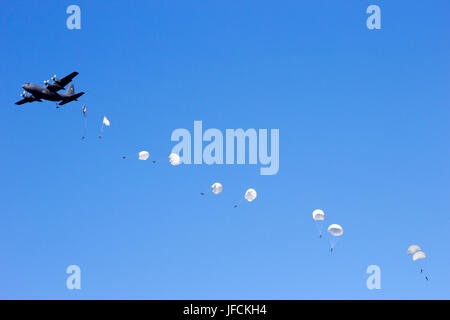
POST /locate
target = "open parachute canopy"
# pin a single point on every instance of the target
(413, 249)
(217, 188)
(250, 195)
(335, 230)
(174, 159)
(419, 255)
(143, 155)
(318, 215)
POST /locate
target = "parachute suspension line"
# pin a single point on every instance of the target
(422, 270)
(84, 128)
(158, 160)
(319, 226)
(101, 131)
(83, 110)
(141, 155)
(250, 195)
(165, 158)
(128, 155)
(216, 187)
(334, 242)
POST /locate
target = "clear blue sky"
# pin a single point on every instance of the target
(364, 135)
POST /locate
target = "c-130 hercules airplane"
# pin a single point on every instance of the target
(50, 91)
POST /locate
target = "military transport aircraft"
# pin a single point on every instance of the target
(50, 91)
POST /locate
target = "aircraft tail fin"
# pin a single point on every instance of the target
(70, 90)
(71, 98)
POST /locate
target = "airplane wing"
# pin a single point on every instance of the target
(64, 102)
(64, 81)
(61, 83)
(28, 99)
(22, 101)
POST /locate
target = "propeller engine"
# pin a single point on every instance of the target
(46, 82)
(23, 95)
(54, 78)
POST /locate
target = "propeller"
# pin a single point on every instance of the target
(23, 95)
(46, 82)
(54, 78)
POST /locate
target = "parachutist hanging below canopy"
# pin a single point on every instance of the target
(104, 123)
(319, 217)
(216, 188)
(418, 257)
(142, 155)
(250, 195)
(336, 231)
(83, 108)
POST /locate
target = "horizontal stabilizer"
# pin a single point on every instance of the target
(71, 98)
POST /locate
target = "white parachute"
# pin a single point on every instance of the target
(250, 195)
(319, 217)
(419, 255)
(419, 258)
(174, 159)
(104, 123)
(144, 155)
(413, 249)
(217, 188)
(336, 231)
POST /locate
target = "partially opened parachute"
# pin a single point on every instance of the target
(250, 195)
(413, 249)
(174, 159)
(419, 255)
(83, 108)
(318, 215)
(335, 230)
(143, 155)
(217, 188)
(106, 121)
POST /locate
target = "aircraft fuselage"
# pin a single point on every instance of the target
(42, 93)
